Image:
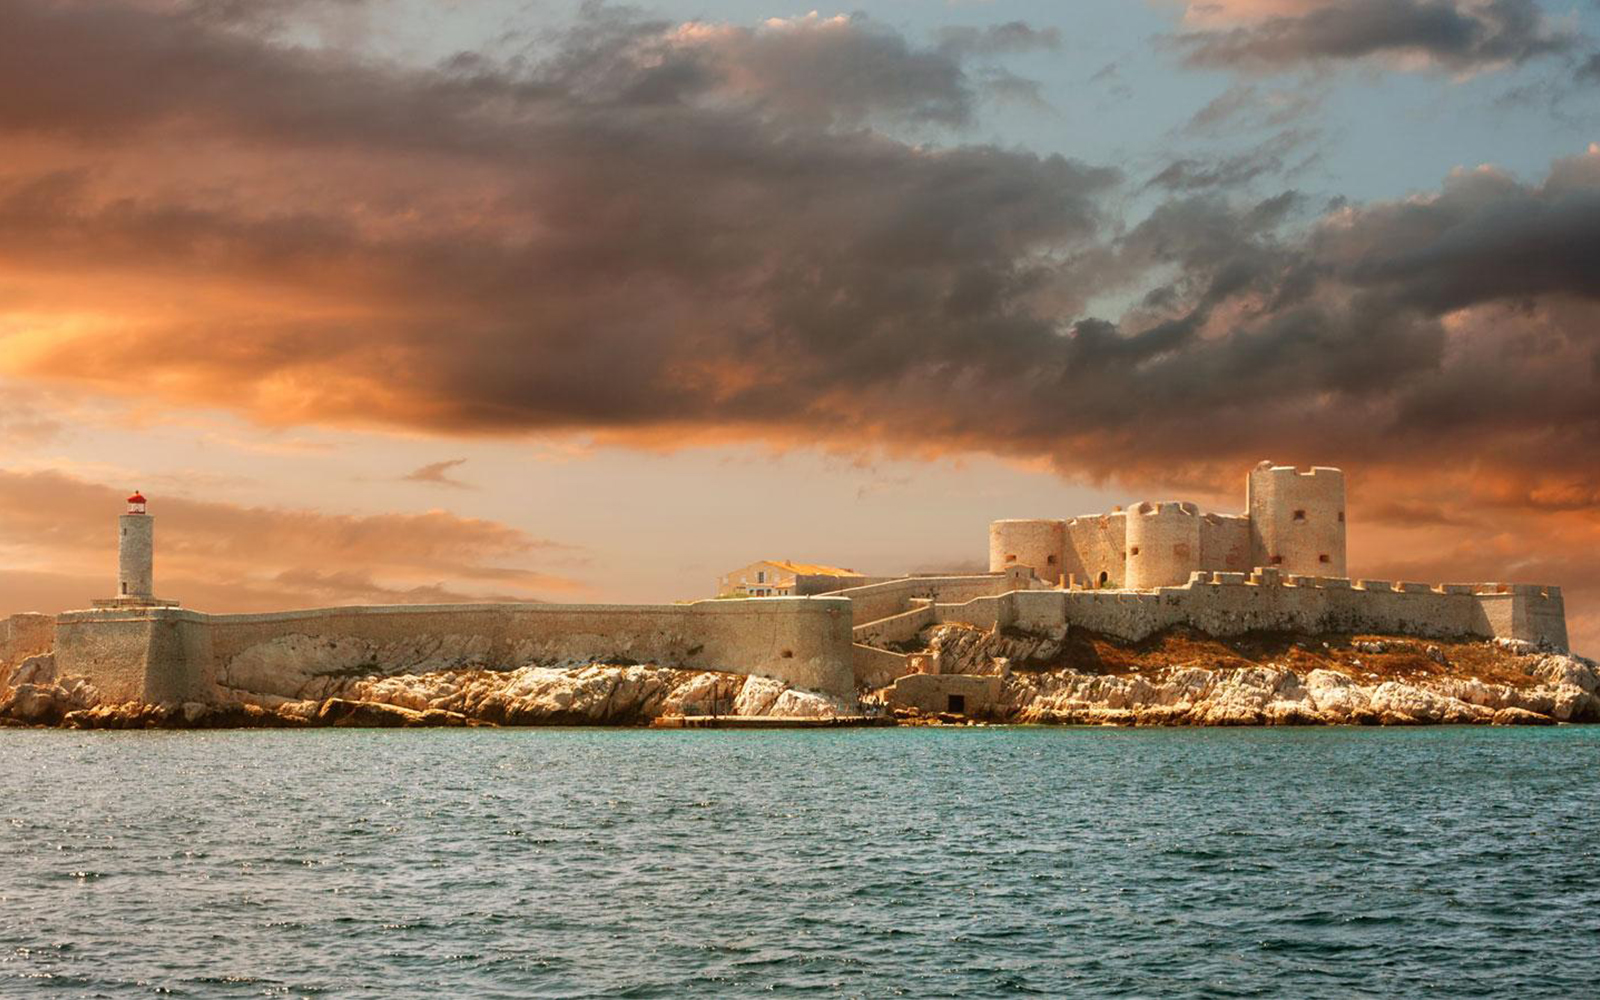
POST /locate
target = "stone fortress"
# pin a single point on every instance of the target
(1293, 522)
(1279, 567)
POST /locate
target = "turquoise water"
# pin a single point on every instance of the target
(444, 863)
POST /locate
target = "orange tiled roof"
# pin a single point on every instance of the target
(812, 569)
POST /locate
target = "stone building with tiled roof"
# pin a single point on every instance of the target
(781, 578)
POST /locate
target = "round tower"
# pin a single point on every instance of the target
(135, 551)
(1037, 544)
(1163, 544)
(1297, 521)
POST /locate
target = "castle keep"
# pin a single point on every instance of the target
(1294, 523)
(1127, 574)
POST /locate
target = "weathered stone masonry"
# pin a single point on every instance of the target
(167, 654)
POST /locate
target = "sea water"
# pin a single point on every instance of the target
(911, 862)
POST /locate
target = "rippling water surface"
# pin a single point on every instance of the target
(1306, 863)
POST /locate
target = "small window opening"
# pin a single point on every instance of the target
(1011, 558)
(124, 588)
(1299, 515)
(1341, 517)
(958, 704)
(1136, 550)
(787, 654)
(1049, 560)
(1104, 578)
(1324, 558)
(1277, 560)
(761, 577)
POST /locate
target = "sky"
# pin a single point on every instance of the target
(435, 300)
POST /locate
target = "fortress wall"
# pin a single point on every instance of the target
(112, 649)
(876, 668)
(1097, 544)
(1035, 544)
(896, 628)
(1225, 543)
(1163, 544)
(172, 655)
(25, 635)
(1228, 604)
(998, 611)
(1533, 613)
(883, 600)
(1297, 519)
(818, 584)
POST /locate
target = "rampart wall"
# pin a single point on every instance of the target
(163, 654)
(882, 600)
(1227, 604)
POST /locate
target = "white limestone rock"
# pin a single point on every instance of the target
(1335, 696)
(37, 669)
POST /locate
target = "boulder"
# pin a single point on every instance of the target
(366, 715)
(1521, 717)
(39, 669)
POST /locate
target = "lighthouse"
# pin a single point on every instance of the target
(136, 531)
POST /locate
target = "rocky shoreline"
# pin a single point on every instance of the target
(1182, 679)
(1076, 679)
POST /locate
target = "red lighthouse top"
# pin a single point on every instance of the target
(136, 503)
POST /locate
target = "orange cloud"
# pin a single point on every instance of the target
(59, 535)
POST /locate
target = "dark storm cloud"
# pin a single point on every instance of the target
(659, 229)
(1451, 33)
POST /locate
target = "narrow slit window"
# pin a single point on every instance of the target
(1299, 515)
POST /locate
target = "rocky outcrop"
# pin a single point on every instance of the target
(1550, 688)
(299, 684)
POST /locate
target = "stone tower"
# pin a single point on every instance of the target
(1297, 519)
(135, 559)
(135, 550)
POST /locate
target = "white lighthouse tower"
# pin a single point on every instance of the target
(136, 531)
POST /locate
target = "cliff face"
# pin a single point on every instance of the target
(318, 690)
(1188, 679)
